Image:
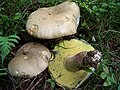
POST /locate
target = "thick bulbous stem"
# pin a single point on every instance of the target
(83, 60)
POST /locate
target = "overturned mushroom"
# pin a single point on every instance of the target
(70, 61)
(31, 59)
(54, 22)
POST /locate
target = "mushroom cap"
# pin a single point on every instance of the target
(54, 22)
(57, 68)
(31, 59)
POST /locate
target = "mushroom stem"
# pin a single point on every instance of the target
(83, 60)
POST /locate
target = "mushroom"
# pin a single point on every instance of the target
(72, 58)
(31, 59)
(54, 22)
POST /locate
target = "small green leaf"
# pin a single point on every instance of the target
(5, 17)
(11, 44)
(104, 5)
(42, 2)
(109, 80)
(103, 75)
(2, 74)
(13, 40)
(105, 84)
(119, 87)
(3, 69)
(5, 47)
(52, 83)
(94, 8)
(23, 30)
(102, 10)
(88, 70)
(105, 69)
(113, 79)
(17, 16)
(14, 36)
(84, 24)
(30, 1)
(2, 43)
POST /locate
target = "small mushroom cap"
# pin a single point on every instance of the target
(54, 22)
(31, 59)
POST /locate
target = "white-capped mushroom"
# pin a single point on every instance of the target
(54, 22)
(31, 59)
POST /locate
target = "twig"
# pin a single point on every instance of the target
(28, 88)
(38, 82)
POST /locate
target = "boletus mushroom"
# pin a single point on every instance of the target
(31, 59)
(54, 22)
(72, 58)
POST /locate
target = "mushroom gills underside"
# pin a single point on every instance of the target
(59, 73)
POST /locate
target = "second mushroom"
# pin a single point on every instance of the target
(31, 59)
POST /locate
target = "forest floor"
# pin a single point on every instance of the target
(99, 26)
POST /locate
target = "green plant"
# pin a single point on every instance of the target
(10, 25)
(6, 44)
(3, 71)
(12, 20)
(109, 78)
(99, 19)
(51, 82)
